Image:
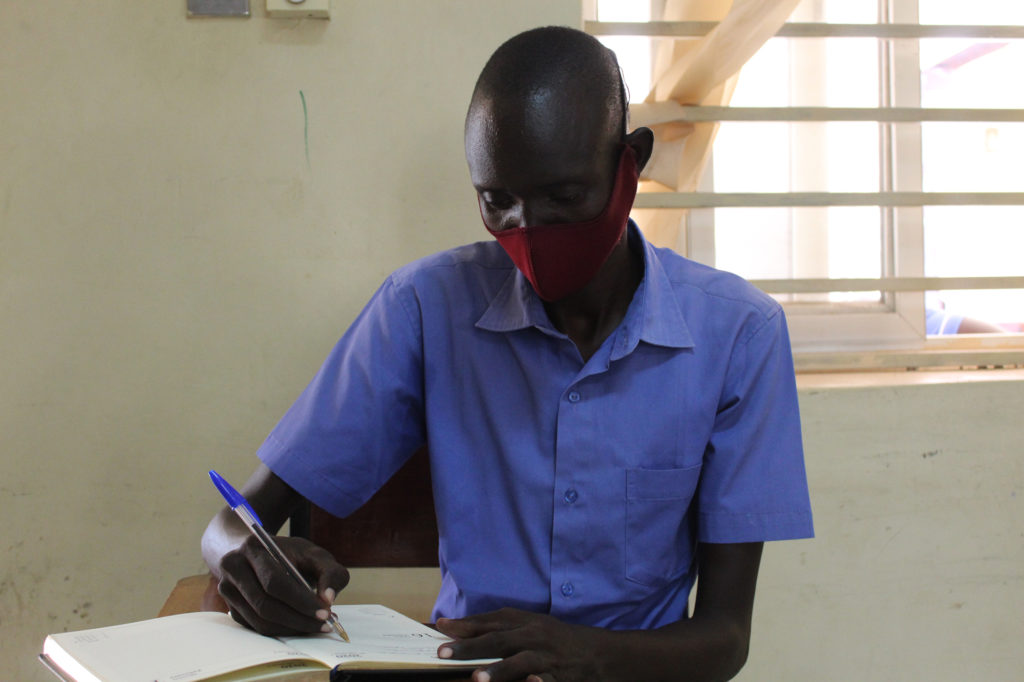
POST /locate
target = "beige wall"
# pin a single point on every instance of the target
(917, 571)
(172, 271)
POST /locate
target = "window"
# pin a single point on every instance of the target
(870, 153)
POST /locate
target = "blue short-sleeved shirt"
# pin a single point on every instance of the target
(561, 486)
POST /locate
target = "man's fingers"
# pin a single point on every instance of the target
(268, 617)
(526, 664)
(455, 627)
(331, 577)
(483, 623)
(265, 597)
(489, 645)
(275, 580)
(497, 644)
(317, 565)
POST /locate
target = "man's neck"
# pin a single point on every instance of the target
(590, 315)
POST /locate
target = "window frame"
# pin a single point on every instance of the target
(892, 332)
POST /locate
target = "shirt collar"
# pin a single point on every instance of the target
(653, 315)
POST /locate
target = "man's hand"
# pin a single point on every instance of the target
(532, 646)
(262, 596)
(711, 646)
(258, 590)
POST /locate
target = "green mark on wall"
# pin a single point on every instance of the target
(305, 123)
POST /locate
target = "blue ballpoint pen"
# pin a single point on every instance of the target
(240, 506)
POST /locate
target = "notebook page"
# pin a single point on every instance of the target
(379, 635)
(189, 646)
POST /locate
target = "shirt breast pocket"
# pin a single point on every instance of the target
(659, 527)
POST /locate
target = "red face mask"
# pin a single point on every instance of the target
(560, 259)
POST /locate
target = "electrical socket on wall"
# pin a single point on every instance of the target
(292, 9)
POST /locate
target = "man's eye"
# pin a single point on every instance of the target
(496, 202)
(567, 198)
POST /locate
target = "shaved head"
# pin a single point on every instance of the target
(554, 70)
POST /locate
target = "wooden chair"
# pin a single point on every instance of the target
(396, 528)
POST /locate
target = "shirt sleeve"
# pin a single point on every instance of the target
(753, 484)
(361, 417)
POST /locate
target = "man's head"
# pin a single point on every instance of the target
(545, 129)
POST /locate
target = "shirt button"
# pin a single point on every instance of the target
(567, 589)
(574, 397)
(570, 495)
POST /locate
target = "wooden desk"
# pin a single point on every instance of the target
(194, 593)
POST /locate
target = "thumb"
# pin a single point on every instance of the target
(320, 568)
(330, 581)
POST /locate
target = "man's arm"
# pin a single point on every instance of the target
(260, 594)
(711, 645)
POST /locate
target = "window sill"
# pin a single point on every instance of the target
(812, 381)
(957, 352)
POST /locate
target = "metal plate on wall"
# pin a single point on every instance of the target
(218, 8)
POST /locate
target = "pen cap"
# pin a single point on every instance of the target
(232, 496)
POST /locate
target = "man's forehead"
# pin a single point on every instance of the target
(510, 161)
(541, 116)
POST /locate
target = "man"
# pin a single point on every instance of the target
(605, 420)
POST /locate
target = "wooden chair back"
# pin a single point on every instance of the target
(396, 528)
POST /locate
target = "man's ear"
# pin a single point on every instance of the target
(642, 142)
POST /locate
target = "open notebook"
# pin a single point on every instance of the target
(211, 646)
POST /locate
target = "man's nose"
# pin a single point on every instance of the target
(525, 215)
